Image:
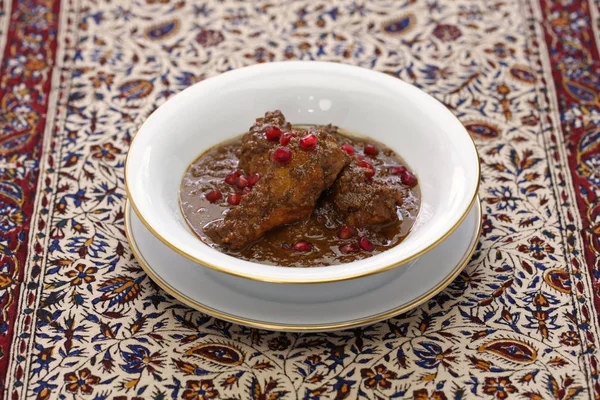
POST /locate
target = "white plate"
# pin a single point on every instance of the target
(214, 293)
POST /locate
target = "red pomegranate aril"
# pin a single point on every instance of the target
(369, 169)
(346, 232)
(302, 247)
(234, 199)
(370, 150)
(230, 179)
(308, 142)
(273, 133)
(241, 182)
(397, 170)
(286, 137)
(408, 179)
(213, 195)
(366, 244)
(282, 155)
(253, 179)
(349, 248)
(348, 149)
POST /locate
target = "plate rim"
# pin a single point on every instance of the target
(166, 286)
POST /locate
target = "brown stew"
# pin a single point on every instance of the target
(322, 238)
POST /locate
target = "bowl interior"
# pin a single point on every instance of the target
(431, 140)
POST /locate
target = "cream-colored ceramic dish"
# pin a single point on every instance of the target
(432, 141)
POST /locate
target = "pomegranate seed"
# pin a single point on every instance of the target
(346, 232)
(369, 169)
(303, 247)
(409, 179)
(349, 248)
(253, 179)
(366, 244)
(348, 149)
(370, 150)
(273, 133)
(282, 155)
(308, 142)
(241, 182)
(232, 177)
(286, 137)
(246, 190)
(397, 170)
(213, 195)
(234, 199)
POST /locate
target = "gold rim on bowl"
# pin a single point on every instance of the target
(303, 281)
(304, 328)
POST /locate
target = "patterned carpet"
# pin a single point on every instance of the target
(80, 319)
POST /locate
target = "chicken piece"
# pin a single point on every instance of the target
(286, 193)
(254, 151)
(365, 201)
(254, 156)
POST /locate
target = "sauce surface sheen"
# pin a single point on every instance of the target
(208, 172)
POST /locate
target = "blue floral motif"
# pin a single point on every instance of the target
(517, 321)
(10, 217)
(140, 359)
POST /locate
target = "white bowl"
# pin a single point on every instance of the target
(428, 136)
